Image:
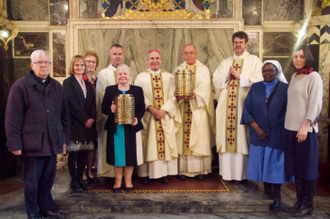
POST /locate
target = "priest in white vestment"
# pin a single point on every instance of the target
(106, 77)
(232, 81)
(195, 138)
(161, 121)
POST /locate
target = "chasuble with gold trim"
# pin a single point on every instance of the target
(158, 137)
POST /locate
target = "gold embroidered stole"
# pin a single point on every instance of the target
(231, 112)
(158, 94)
(115, 76)
(187, 116)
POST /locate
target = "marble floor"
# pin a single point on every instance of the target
(12, 204)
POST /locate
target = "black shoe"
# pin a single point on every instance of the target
(115, 190)
(275, 206)
(305, 209)
(182, 177)
(84, 186)
(34, 216)
(200, 177)
(145, 181)
(75, 187)
(129, 189)
(163, 180)
(50, 214)
(94, 180)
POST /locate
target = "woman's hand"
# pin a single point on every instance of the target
(263, 136)
(89, 123)
(113, 107)
(135, 122)
(302, 133)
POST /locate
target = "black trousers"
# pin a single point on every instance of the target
(38, 178)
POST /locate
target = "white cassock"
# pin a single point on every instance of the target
(233, 166)
(105, 78)
(202, 128)
(160, 158)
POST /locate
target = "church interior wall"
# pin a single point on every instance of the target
(60, 27)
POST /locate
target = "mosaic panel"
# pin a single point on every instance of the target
(90, 9)
(224, 9)
(32, 10)
(252, 12)
(21, 67)
(254, 43)
(59, 67)
(26, 43)
(283, 10)
(278, 44)
(59, 12)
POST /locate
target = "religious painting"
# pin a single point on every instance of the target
(59, 12)
(26, 43)
(90, 9)
(278, 44)
(283, 10)
(59, 67)
(254, 43)
(252, 12)
(224, 9)
(32, 10)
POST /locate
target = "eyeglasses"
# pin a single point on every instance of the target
(42, 63)
(77, 65)
(268, 71)
(90, 61)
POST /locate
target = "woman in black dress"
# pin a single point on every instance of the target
(121, 140)
(81, 102)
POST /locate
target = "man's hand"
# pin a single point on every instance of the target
(193, 96)
(18, 152)
(234, 73)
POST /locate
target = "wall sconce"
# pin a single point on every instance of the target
(8, 31)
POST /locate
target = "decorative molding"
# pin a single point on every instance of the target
(277, 26)
(32, 26)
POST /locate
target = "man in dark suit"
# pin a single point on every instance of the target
(37, 128)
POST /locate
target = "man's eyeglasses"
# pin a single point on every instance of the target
(90, 61)
(79, 65)
(188, 53)
(42, 63)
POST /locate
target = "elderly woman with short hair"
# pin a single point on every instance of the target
(121, 140)
(264, 112)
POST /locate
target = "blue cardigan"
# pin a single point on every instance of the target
(270, 119)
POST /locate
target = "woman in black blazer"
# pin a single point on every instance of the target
(81, 102)
(121, 140)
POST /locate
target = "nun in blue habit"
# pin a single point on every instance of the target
(264, 112)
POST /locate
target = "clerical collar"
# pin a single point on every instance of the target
(43, 82)
(154, 72)
(244, 55)
(113, 66)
